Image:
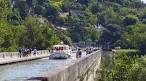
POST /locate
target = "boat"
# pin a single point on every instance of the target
(61, 51)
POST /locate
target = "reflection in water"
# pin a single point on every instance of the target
(24, 70)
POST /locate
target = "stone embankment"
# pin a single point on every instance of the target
(13, 57)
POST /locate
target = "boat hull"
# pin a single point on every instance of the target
(59, 56)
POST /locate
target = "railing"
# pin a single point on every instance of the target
(16, 54)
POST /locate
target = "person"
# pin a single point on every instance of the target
(34, 51)
(30, 51)
(49, 50)
(27, 52)
(87, 51)
(20, 52)
(90, 50)
(79, 53)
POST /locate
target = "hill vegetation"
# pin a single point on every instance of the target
(35, 23)
(123, 66)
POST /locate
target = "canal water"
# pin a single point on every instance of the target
(24, 70)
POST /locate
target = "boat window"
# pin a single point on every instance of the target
(61, 48)
(57, 48)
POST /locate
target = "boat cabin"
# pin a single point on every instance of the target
(61, 49)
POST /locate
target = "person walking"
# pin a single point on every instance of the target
(79, 53)
(34, 51)
(20, 52)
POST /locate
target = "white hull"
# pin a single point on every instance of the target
(59, 56)
(60, 52)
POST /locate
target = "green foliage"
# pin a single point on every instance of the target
(38, 33)
(35, 32)
(144, 21)
(124, 66)
(135, 38)
(130, 20)
(80, 17)
(3, 8)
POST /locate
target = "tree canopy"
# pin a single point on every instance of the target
(33, 22)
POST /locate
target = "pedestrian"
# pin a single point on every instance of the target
(20, 52)
(79, 53)
(30, 51)
(34, 51)
(90, 50)
(49, 50)
(87, 51)
(27, 52)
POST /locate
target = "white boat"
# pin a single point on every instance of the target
(61, 51)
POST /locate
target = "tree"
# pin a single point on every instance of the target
(52, 13)
(38, 33)
(130, 20)
(85, 2)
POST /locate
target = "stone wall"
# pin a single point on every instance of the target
(15, 54)
(83, 69)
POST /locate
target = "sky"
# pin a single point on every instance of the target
(144, 1)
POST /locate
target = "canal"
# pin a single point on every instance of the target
(24, 70)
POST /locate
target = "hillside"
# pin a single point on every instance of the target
(123, 65)
(35, 23)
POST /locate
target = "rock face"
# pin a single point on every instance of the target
(84, 69)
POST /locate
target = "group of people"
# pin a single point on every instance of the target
(89, 50)
(24, 52)
(79, 52)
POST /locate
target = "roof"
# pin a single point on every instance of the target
(60, 45)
